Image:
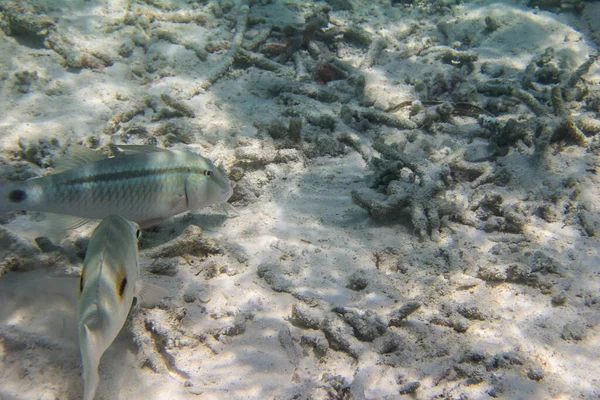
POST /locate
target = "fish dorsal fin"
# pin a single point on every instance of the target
(76, 157)
(149, 295)
(138, 149)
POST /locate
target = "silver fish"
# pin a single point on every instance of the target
(146, 185)
(110, 279)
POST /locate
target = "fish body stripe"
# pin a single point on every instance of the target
(129, 189)
(100, 183)
(136, 185)
(140, 174)
(140, 187)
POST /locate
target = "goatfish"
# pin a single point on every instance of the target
(145, 184)
(110, 279)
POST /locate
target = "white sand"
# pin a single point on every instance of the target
(226, 332)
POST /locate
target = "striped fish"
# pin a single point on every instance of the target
(109, 282)
(146, 185)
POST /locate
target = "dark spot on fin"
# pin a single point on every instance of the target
(17, 196)
(122, 287)
(121, 281)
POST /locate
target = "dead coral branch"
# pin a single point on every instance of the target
(222, 66)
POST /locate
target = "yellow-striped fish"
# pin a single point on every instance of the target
(146, 185)
(110, 279)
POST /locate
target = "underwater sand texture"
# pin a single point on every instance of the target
(417, 184)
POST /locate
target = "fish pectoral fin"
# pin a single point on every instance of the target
(90, 357)
(179, 204)
(137, 149)
(149, 222)
(76, 157)
(57, 224)
(149, 295)
(135, 306)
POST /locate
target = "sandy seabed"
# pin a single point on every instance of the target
(417, 187)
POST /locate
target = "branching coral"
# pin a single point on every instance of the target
(374, 52)
(222, 66)
(417, 184)
(546, 84)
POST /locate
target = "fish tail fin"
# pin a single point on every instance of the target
(90, 356)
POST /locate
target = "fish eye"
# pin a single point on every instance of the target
(138, 234)
(207, 172)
